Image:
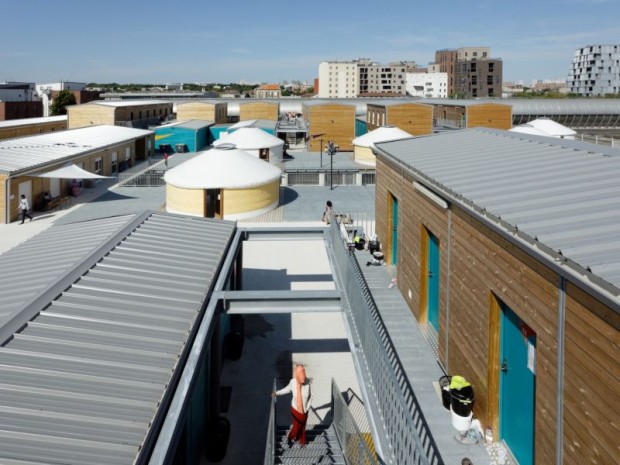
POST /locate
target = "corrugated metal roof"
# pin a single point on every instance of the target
(462, 102)
(128, 103)
(523, 106)
(565, 194)
(83, 381)
(37, 151)
(189, 124)
(28, 121)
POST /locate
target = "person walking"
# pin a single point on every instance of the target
(328, 213)
(24, 207)
(166, 159)
(299, 386)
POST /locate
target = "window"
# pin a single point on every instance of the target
(490, 79)
(98, 166)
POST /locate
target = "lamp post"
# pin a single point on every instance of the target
(321, 152)
(331, 149)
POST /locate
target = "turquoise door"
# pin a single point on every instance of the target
(433, 281)
(394, 230)
(517, 386)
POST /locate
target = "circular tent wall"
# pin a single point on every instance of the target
(257, 142)
(363, 145)
(223, 182)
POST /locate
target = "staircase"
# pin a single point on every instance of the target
(322, 447)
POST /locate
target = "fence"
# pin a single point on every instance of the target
(270, 446)
(341, 177)
(353, 443)
(358, 221)
(142, 175)
(401, 429)
(600, 140)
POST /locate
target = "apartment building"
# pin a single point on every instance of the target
(427, 85)
(460, 75)
(595, 71)
(363, 78)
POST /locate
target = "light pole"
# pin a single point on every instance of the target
(331, 148)
(321, 152)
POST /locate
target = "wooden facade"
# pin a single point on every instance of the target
(480, 270)
(259, 110)
(414, 118)
(336, 122)
(206, 111)
(488, 115)
(140, 115)
(31, 129)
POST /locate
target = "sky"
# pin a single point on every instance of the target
(155, 41)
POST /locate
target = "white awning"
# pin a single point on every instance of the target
(71, 171)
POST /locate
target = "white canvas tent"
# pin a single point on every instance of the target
(71, 171)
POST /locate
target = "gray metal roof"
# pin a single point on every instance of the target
(27, 121)
(187, 124)
(38, 151)
(462, 102)
(525, 106)
(564, 195)
(84, 380)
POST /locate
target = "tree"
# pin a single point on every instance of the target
(62, 100)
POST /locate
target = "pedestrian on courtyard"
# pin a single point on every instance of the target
(24, 207)
(328, 213)
(166, 159)
(299, 386)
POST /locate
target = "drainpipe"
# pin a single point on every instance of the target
(448, 290)
(559, 396)
(7, 200)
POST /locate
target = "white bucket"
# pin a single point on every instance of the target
(460, 423)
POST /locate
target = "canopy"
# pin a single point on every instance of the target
(382, 134)
(71, 171)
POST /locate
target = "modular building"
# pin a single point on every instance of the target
(506, 250)
(259, 110)
(134, 114)
(414, 118)
(462, 114)
(223, 182)
(103, 150)
(31, 126)
(203, 110)
(191, 136)
(330, 122)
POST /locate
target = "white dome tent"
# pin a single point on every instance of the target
(224, 182)
(363, 145)
(257, 142)
(546, 127)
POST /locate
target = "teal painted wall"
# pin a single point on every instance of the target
(194, 139)
(361, 127)
(215, 132)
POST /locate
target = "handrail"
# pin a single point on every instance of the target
(353, 444)
(270, 446)
(393, 402)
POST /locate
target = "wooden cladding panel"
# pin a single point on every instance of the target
(79, 116)
(414, 118)
(335, 122)
(591, 381)
(202, 111)
(3, 198)
(489, 115)
(259, 110)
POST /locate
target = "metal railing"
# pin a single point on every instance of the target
(143, 174)
(600, 140)
(358, 221)
(402, 430)
(270, 445)
(323, 176)
(352, 442)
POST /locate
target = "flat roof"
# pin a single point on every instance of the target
(560, 195)
(91, 373)
(463, 102)
(28, 121)
(127, 103)
(189, 124)
(32, 152)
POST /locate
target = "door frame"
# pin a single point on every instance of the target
(391, 244)
(425, 239)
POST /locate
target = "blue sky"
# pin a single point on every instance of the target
(269, 41)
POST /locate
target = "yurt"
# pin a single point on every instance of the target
(362, 145)
(552, 128)
(255, 141)
(224, 182)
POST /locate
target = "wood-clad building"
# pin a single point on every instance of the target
(330, 121)
(508, 249)
(129, 113)
(206, 111)
(464, 114)
(103, 150)
(31, 126)
(414, 118)
(259, 110)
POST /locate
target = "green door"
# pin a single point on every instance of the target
(433, 281)
(394, 230)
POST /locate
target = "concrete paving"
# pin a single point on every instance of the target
(312, 161)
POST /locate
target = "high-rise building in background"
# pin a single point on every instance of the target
(595, 71)
(471, 72)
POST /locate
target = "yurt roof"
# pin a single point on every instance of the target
(529, 129)
(224, 167)
(551, 127)
(250, 138)
(382, 134)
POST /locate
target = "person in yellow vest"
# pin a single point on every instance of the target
(299, 386)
